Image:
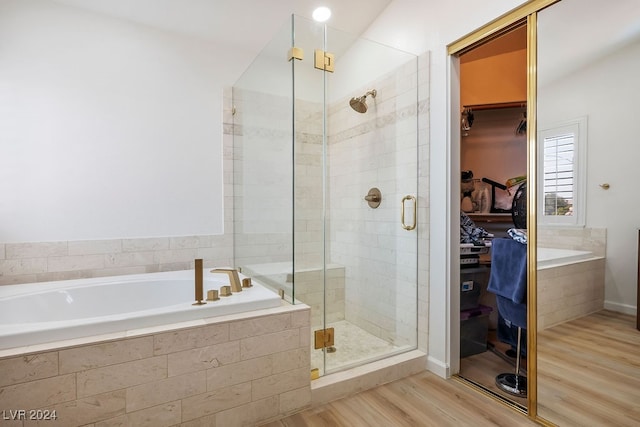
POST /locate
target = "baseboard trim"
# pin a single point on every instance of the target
(621, 308)
(438, 367)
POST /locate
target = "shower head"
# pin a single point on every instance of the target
(359, 103)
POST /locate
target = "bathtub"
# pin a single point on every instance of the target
(52, 311)
(553, 257)
(322, 289)
(570, 285)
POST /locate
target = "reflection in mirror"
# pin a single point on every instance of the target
(588, 368)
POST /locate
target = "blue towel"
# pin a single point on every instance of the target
(514, 313)
(508, 277)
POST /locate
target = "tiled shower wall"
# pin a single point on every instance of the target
(264, 176)
(378, 149)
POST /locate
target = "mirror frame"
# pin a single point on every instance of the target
(495, 28)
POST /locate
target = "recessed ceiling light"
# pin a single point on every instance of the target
(321, 14)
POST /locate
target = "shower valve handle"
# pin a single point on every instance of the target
(373, 198)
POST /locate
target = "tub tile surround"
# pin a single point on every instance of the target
(570, 291)
(576, 289)
(584, 239)
(49, 261)
(232, 371)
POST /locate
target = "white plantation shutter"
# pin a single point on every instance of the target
(562, 161)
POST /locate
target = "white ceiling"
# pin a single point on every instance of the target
(245, 24)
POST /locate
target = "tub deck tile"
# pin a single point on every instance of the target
(39, 393)
(105, 354)
(186, 339)
(164, 391)
(85, 411)
(203, 358)
(252, 413)
(114, 377)
(28, 368)
(209, 403)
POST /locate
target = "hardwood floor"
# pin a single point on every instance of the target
(483, 368)
(420, 400)
(589, 371)
(588, 375)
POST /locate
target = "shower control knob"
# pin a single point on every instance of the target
(373, 198)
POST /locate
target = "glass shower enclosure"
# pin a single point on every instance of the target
(307, 165)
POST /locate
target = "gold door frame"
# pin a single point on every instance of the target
(529, 12)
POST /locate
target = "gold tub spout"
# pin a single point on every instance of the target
(199, 279)
(234, 279)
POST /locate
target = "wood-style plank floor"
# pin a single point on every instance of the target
(482, 368)
(589, 371)
(588, 375)
(420, 400)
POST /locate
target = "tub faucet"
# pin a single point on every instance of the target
(234, 279)
(199, 279)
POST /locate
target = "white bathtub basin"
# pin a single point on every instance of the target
(551, 257)
(52, 311)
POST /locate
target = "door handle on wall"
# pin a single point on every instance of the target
(415, 211)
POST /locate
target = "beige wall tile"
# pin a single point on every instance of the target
(39, 393)
(199, 359)
(279, 383)
(208, 421)
(111, 353)
(174, 255)
(238, 373)
(76, 262)
(185, 339)
(300, 318)
(189, 242)
(209, 403)
(294, 400)
(14, 267)
(93, 247)
(28, 368)
(167, 390)
(89, 410)
(114, 377)
(35, 250)
(305, 336)
(3, 251)
(165, 415)
(145, 244)
(250, 414)
(259, 326)
(292, 359)
(119, 421)
(128, 259)
(269, 343)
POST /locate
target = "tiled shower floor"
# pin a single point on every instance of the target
(353, 347)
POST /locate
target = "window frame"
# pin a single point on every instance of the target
(577, 127)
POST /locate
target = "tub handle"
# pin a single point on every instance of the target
(234, 279)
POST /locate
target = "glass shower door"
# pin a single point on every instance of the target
(355, 260)
(303, 162)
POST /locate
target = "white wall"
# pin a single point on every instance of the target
(429, 25)
(107, 129)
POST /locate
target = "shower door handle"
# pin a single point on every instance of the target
(415, 211)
